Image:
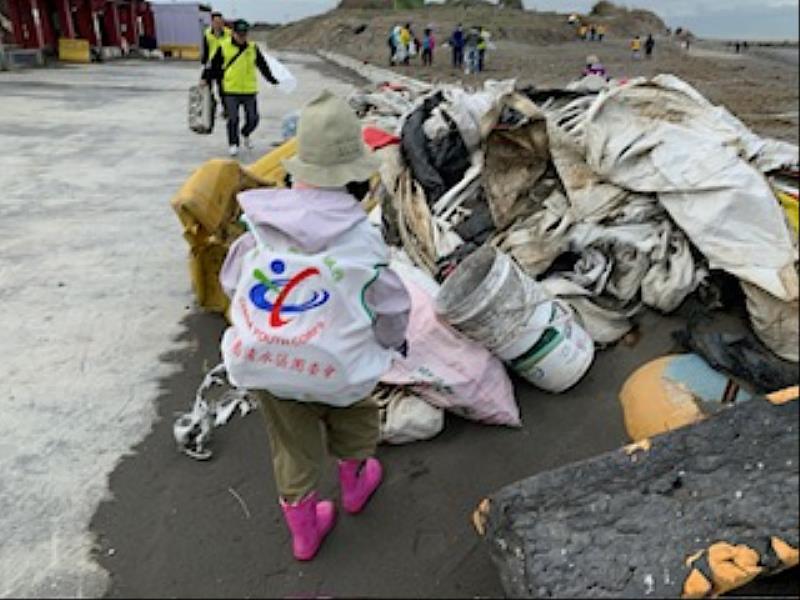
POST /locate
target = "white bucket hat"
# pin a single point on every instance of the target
(331, 151)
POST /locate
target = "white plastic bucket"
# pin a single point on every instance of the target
(490, 300)
(528, 334)
(560, 357)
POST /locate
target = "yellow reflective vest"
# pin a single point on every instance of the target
(240, 75)
(214, 42)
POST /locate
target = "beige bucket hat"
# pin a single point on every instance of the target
(331, 151)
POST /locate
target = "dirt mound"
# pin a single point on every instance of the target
(336, 30)
(381, 4)
(356, 29)
(630, 21)
(514, 4)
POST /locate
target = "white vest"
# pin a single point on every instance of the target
(301, 327)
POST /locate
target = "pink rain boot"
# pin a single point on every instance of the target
(358, 479)
(309, 521)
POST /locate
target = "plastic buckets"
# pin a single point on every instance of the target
(561, 356)
(490, 300)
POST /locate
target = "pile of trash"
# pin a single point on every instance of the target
(532, 226)
(612, 200)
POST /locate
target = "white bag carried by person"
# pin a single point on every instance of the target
(300, 326)
(287, 83)
(400, 54)
(201, 109)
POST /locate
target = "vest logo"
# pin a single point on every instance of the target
(272, 294)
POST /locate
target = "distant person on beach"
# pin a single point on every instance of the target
(592, 32)
(392, 42)
(738, 46)
(428, 47)
(649, 45)
(414, 45)
(594, 67)
(582, 31)
(457, 44)
(685, 37)
(400, 51)
(212, 40)
(471, 49)
(601, 32)
(483, 45)
(636, 48)
(405, 42)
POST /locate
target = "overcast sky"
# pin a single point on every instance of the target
(763, 19)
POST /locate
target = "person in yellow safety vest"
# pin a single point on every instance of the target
(483, 44)
(212, 38)
(636, 48)
(236, 62)
(405, 40)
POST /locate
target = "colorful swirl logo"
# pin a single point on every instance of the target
(279, 289)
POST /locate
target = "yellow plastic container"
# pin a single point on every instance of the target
(182, 51)
(206, 207)
(652, 404)
(790, 207)
(269, 167)
(74, 51)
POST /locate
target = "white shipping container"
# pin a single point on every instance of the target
(180, 24)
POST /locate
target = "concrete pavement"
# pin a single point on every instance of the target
(94, 284)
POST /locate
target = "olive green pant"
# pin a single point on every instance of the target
(301, 435)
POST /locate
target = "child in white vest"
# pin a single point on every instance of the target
(317, 318)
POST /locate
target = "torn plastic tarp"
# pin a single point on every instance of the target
(775, 155)
(468, 109)
(604, 325)
(663, 137)
(193, 430)
(635, 251)
(515, 160)
(775, 322)
(673, 274)
(536, 241)
(590, 198)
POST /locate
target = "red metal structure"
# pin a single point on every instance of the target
(38, 24)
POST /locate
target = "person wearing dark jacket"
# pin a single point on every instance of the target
(236, 62)
(649, 44)
(457, 44)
